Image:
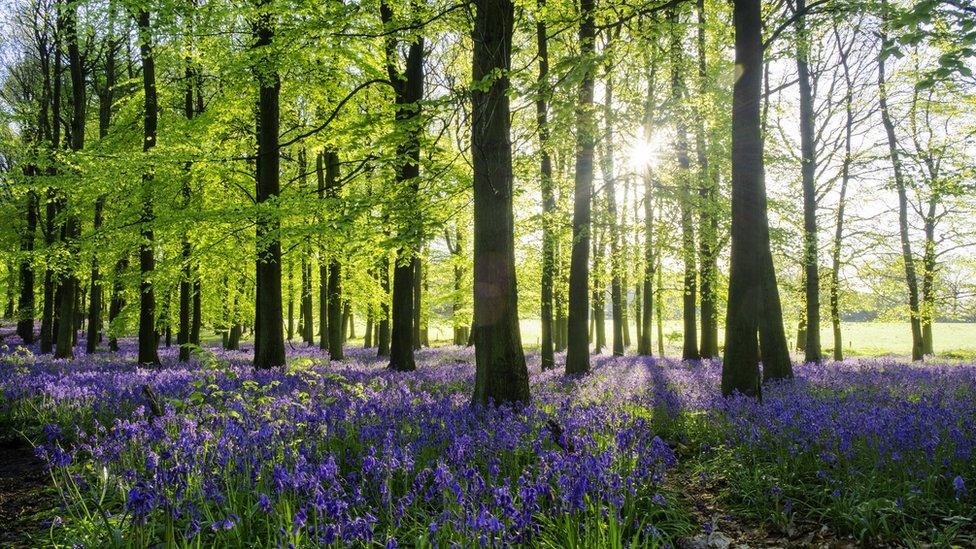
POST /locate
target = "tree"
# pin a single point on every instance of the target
(577, 351)
(501, 375)
(809, 170)
(269, 338)
(911, 278)
(754, 308)
(548, 197)
(408, 89)
(148, 335)
(689, 350)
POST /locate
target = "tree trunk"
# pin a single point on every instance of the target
(269, 340)
(577, 351)
(613, 231)
(95, 304)
(928, 274)
(320, 162)
(708, 208)
(501, 375)
(409, 88)
(336, 325)
(72, 226)
(148, 336)
(809, 172)
(25, 306)
(186, 278)
(753, 296)
(548, 197)
(418, 277)
(368, 333)
(290, 290)
(689, 285)
(383, 329)
(906, 246)
(842, 200)
(117, 301)
(645, 321)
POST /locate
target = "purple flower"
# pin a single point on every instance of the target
(959, 487)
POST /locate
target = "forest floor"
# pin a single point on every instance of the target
(725, 486)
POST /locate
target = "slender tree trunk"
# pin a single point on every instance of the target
(689, 285)
(548, 197)
(418, 278)
(409, 87)
(809, 171)
(334, 280)
(117, 301)
(908, 258)
(368, 333)
(72, 225)
(577, 353)
(148, 336)
(646, 315)
(25, 307)
(186, 278)
(95, 304)
(290, 290)
(708, 207)
(383, 329)
(928, 274)
(754, 305)
(105, 98)
(269, 340)
(501, 375)
(613, 230)
(320, 163)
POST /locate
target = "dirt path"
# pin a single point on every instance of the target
(24, 492)
(722, 529)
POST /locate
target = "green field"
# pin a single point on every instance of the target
(951, 339)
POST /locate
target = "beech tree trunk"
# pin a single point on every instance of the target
(25, 305)
(908, 258)
(577, 351)
(269, 340)
(809, 171)
(148, 336)
(409, 91)
(334, 284)
(613, 231)
(754, 307)
(548, 197)
(72, 226)
(708, 208)
(383, 328)
(501, 375)
(689, 284)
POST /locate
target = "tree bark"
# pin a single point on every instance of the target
(753, 296)
(148, 336)
(336, 325)
(577, 353)
(548, 197)
(809, 171)
(647, 312)
(269, 340)
(25, 306)
(908, 258)
(613, 230)
(383, 328)
(689, 284)
(186, 278)
(708, 207)
(409, 91)
(72, 226)
(501, 375)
